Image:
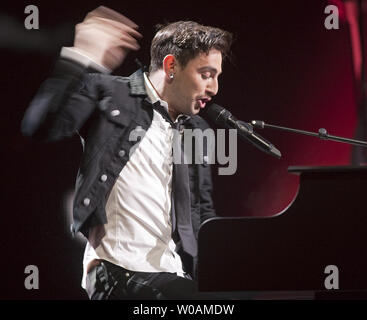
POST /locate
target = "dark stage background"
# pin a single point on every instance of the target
(287, 70)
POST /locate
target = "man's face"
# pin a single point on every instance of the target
(195, 84)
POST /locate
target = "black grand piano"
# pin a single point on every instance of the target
(290, 255)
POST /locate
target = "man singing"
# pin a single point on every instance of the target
(139, 210)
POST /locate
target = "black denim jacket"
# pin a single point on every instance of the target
(104, 110)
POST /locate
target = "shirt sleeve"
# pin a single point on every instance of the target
(75, 55)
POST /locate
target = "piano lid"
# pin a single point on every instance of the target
(300, 169)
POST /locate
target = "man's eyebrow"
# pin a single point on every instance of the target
(211, 69)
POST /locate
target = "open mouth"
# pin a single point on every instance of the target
(203, 102)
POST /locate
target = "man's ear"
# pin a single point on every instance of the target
(169, 66)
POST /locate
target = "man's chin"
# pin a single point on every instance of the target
(195, 110)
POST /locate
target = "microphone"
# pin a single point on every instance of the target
(224, 118)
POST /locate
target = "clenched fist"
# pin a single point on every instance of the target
(106, 37)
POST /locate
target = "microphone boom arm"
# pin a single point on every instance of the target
(322, 133)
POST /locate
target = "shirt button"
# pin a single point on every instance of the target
(127, 274)
(121, 153)
(103, 177)
(115, 113)
(86, 202)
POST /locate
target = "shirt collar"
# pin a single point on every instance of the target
(152, 93)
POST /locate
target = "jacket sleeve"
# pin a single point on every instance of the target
(63, 103)
(207, 210)
(206, 188)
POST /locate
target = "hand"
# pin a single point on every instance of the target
(106, 37)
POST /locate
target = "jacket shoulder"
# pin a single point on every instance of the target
(99, 84)
(106, 78)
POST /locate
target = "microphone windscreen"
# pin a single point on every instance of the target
(217, 114)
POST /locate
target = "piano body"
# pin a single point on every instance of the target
(325, 225)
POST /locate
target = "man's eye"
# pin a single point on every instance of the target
(205, 75)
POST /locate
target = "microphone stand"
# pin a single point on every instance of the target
(322, 133)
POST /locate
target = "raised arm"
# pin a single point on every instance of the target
(68, 97)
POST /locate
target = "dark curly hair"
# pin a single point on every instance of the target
(185, 40)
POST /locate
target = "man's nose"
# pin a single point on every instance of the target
(212, 88)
